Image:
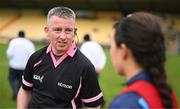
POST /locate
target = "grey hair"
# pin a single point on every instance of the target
(61, 11)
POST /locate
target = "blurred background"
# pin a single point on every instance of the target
(95, 17)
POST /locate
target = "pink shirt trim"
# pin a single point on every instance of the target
(56, 63)
(92, 99)
(71, 51)
(37, 63)
(26, 83)
(72, 101)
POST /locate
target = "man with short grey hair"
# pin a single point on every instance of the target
(63, 12)
(59, 75)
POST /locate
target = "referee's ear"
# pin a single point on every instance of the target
(46, 30)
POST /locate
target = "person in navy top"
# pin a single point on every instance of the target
(138, 53)
(136, 100)
(59, 75)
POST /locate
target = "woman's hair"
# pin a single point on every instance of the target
(142, 34)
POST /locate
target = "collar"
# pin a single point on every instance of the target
(143, 75)
(71, 51)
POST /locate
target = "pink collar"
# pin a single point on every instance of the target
(71, 51)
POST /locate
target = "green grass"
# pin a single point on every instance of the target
(110, 82)
(5, 91)
(173, 72)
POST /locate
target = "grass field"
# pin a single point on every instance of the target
(109, 81)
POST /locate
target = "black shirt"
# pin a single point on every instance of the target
(69, 82)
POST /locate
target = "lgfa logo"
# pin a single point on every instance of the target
(37, 77)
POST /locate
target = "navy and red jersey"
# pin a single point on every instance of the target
(69, 82)
(140, 93)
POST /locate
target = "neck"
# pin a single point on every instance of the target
(57, 53)
(133, 70)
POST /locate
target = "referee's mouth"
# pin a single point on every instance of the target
(61, 44)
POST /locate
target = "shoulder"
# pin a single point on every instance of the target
(82, 59)
(85, 46)
(96, 46)
(38, 54)
(14, 41)
(129, 100)
(28, 41)
(83, 62)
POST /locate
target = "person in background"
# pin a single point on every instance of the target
(18, 53)
(94, 52)
(138, 53)
(59, 75)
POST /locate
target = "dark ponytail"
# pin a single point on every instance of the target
(159, 79)
(142, 34)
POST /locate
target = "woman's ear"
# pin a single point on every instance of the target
(124, 50)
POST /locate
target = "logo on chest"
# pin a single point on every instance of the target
(39, 78)
(64, 85)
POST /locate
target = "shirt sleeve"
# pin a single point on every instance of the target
(27, 77)
(129, 100)
(91, 94)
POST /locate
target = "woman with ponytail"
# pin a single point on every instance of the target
(138, 53)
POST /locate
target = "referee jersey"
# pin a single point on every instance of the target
(69, 82)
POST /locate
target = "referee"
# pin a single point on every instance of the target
(59, 75)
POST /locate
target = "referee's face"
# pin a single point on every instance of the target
(60, 32)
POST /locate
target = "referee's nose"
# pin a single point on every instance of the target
(62, 35)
